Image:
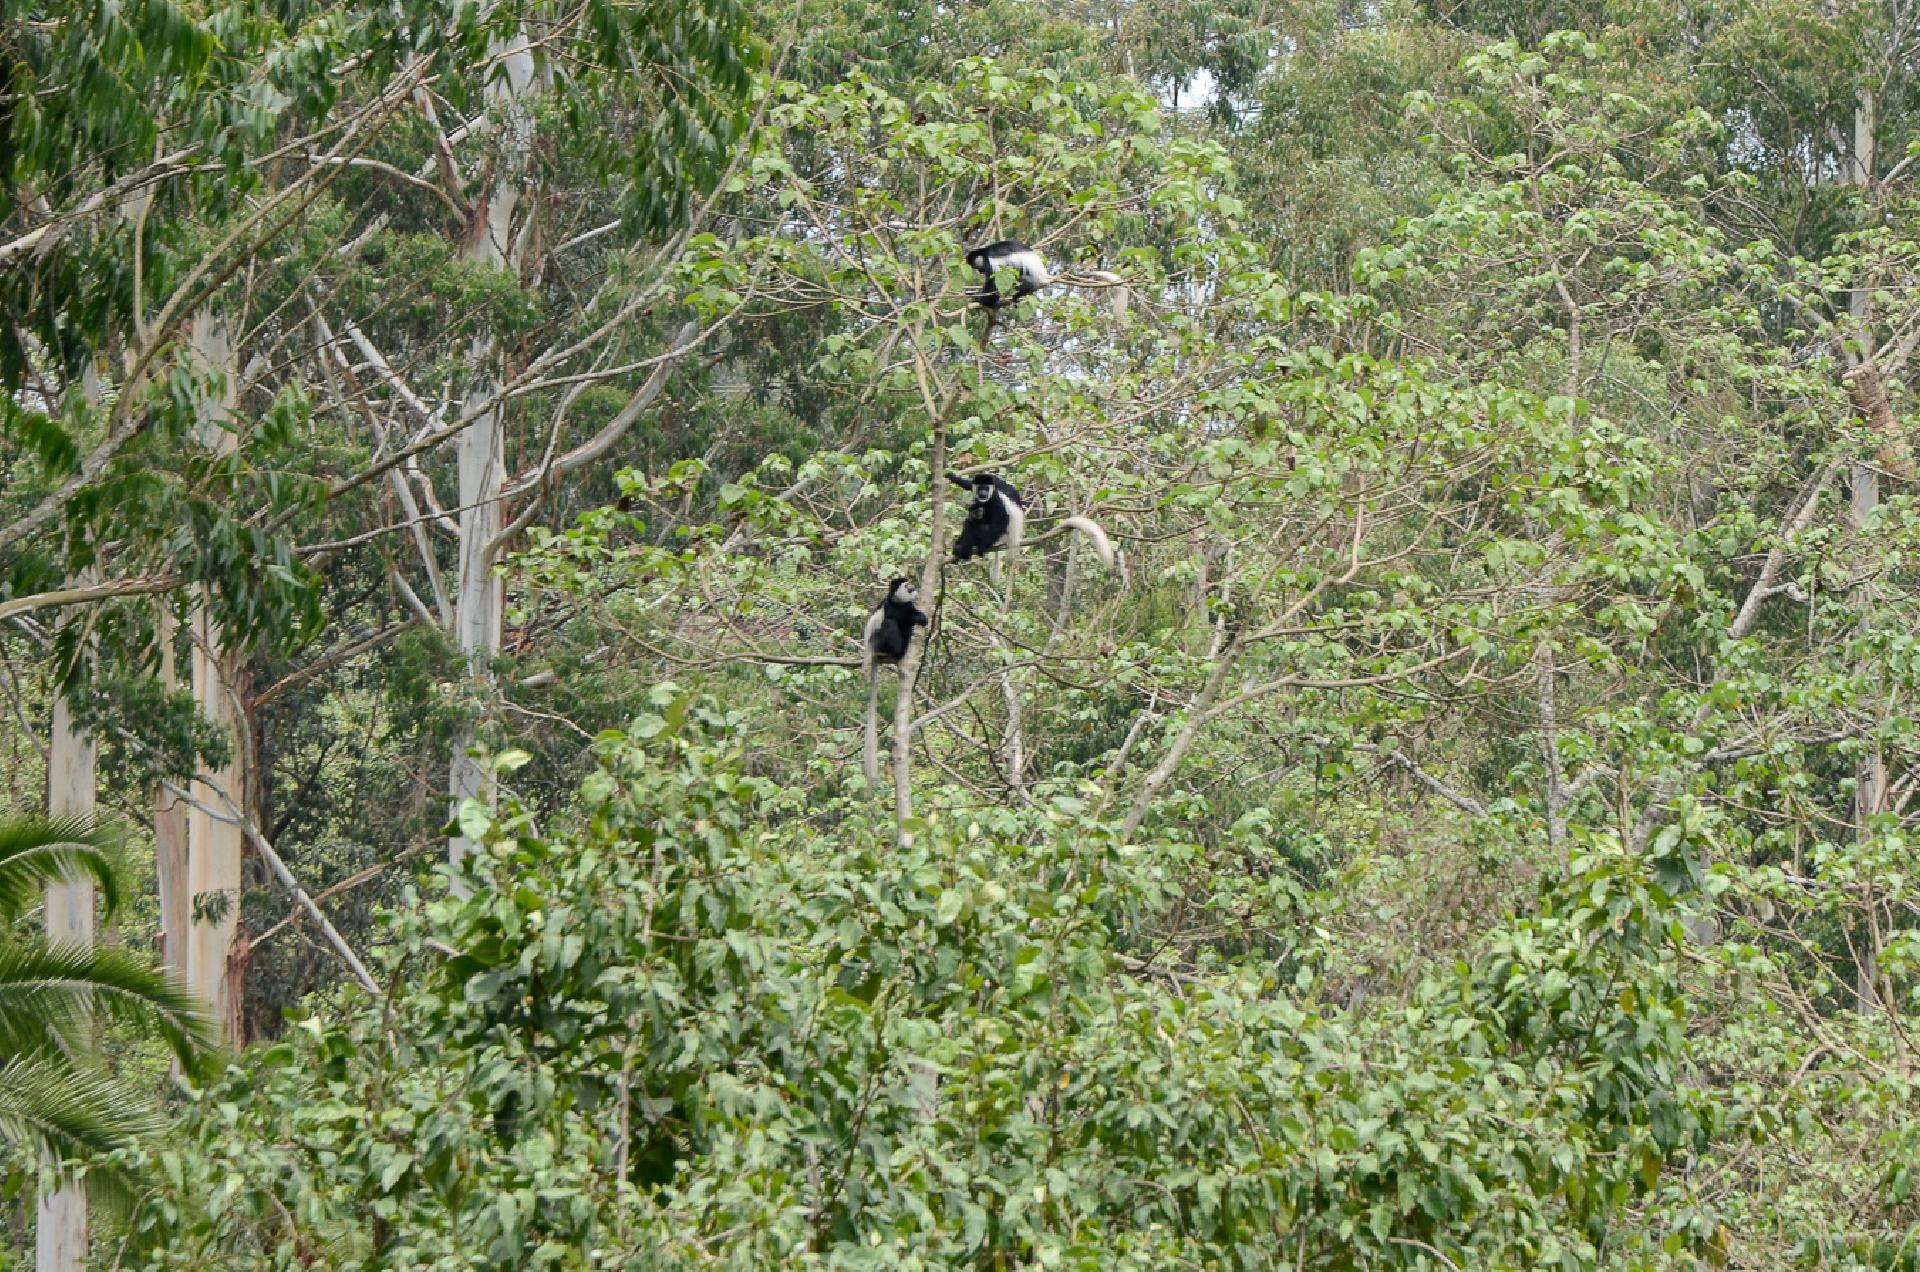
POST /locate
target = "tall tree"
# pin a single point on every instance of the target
(695, 64)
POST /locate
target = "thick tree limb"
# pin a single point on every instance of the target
(455, 184)
(158, 170)
(534, 376)
(429, 417)
(586, 237)
(411, 597)
(1202, 711)
(294, 680)
(532, 380)
(909, 667)
(423, 544)
(314, 912)
(330, 352)
(1465, 803)
(284, 875)
(683, 340)
(1146, 717)
(545, 485)
(145, 586)
(1867, 391)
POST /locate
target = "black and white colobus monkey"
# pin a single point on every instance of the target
(997, 521)
(1032, 272)
(1008, 254)
(889, 630)
(997, 518)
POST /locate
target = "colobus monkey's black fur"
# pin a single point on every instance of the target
(998, 521)
(889, 631)
(1033, 274)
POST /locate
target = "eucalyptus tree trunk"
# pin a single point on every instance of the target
(170, 833)
(60, 1235)
(215, 841)
(215, 837)
(479, 599)
(60, 1231)
(490, 241)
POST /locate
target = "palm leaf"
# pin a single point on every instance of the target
(53, 1000)
(52, 996)
(74, 1115)
(36, 851)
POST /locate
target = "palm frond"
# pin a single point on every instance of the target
(73, 1115)
(51, 996)
(36, 851)
(76, 1117)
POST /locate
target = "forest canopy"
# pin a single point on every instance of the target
(505, 623)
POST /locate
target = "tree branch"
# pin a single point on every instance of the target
(294, 680)
(455, 187)
(156, 171)
(1743, 624)
(206, 277)
(453, 205)
(683, 340)
(145, 586)
(1465, 803)
(280, 872)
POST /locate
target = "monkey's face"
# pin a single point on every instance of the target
(982, 493)
(905, 592)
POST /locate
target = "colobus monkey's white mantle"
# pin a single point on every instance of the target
(997, 521)
(1032, 274)
(889, 630)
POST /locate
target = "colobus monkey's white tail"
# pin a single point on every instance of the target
(1118, 300)
(871, 755)
(1102, 547)
(1116, 286)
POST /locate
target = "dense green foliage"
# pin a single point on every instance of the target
(695, 1031)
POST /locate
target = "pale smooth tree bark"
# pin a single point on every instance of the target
(215, 844)
(170, 834)
(939, 415)
(60, 1235)
(500, 229)
(60, 1231)
(490, 241)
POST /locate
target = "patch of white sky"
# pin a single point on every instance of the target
(1197, 91)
